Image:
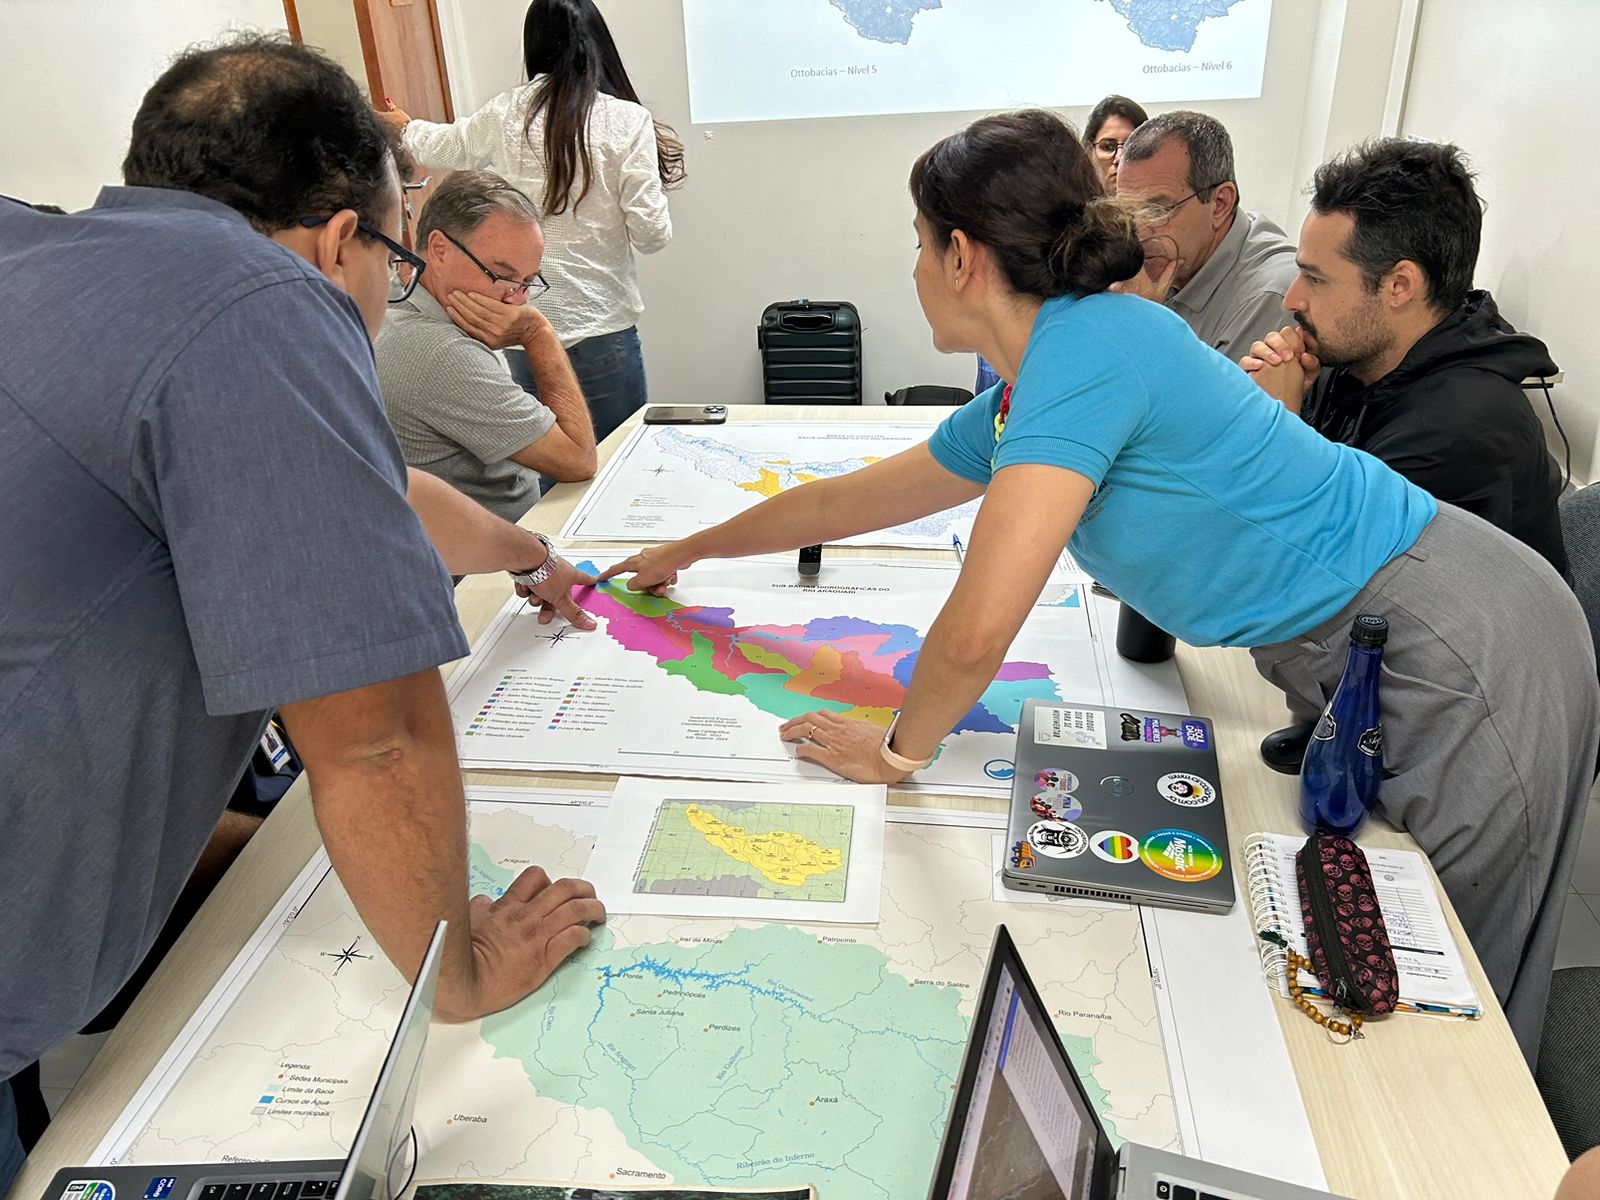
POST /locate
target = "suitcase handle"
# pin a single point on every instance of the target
(805, 322)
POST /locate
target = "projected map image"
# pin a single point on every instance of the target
(838, 58)
(728, 848)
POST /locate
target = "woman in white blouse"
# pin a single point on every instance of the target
(576, 138)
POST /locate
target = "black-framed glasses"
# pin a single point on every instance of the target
(1105, 149)
(1160, 214)
(533, 288)
(405, 268)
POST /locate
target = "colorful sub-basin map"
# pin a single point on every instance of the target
(698, 681)
(674, 1051)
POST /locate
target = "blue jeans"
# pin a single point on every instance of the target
(610, 370)
(11, 1153)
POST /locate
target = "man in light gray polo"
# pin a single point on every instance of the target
(1222, 270)
(455, 409)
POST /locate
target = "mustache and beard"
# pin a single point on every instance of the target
(1359, 338)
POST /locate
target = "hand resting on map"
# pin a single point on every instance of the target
(847, 746)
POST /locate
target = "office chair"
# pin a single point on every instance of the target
(927, 394)
(1568, 1074)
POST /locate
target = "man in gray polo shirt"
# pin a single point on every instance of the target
(451, 399)
(1222, 270)
(203, 517)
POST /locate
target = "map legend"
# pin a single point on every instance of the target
(487, 707)
(566, 703)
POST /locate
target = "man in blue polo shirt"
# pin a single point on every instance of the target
(203, 517)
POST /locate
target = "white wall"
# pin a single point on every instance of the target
(72, 73)
(771, 211)
(819, 209)
(1516, 90)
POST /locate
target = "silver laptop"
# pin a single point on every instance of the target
(381, 1160)
(1021, 1126)
(1118, 804)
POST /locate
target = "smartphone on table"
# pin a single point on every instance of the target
(686, 414)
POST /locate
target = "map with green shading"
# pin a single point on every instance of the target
(671, 1051)
(755, 849)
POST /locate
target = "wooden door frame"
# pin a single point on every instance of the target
(369, 49)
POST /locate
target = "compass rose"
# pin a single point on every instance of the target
(346, 956)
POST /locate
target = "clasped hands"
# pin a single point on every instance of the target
(1283, 366)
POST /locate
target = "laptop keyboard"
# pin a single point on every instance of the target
(272, 1189)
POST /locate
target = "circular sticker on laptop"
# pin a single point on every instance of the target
(1057, 839)
(1186, 790)
(1114, 846)
(1052, 780)
(1056, 806)
(1118, 785)
(1180, 855)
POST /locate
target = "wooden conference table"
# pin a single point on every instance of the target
(1422, 1108)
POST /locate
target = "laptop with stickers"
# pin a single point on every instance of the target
(1118, 804)
(1021, 1124)
(378, 1167)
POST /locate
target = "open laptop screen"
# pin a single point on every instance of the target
(380, 1163)
(1026, 1131)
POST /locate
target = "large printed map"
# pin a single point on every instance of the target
(697, 683)
(668, 481)
(855, 666)
(690, 1051)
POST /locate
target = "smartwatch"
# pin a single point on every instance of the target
(536, 576)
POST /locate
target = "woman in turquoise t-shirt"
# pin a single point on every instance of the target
(1220, 516)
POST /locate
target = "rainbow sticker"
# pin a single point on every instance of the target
(1181, 856)
(1114, 846)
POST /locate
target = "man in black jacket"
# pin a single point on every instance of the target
(1393, 353)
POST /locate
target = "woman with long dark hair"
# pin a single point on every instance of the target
(1222, 517)
(576, 137)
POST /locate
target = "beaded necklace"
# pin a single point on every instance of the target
(1005, 411)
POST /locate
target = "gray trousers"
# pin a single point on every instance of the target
(1491, 715)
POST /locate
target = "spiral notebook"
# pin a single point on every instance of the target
(1433, 977)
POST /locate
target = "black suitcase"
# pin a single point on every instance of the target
(810, 352)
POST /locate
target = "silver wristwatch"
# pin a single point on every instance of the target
(533, 578)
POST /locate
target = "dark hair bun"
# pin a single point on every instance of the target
(1022, 185)
(1101, 248)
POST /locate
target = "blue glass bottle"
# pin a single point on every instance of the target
(1344, 761)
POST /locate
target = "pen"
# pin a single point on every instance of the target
(956, 542)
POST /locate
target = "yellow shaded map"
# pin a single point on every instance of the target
(767, 850)
(778, 475)
(782, 857)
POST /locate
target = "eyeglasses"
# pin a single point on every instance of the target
(1161, 214)
(405, 268)
(1107, 148)
(534, 288)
